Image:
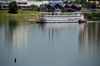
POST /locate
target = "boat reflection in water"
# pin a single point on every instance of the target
(50, 44)
(62, 25)
(60, 29)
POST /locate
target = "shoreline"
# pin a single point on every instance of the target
(21, 14)
(27, 14)
(36, 18)
(21, 17)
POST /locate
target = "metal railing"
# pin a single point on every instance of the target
(61, 13)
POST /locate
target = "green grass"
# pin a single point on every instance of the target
(20, 14)
(35, 14)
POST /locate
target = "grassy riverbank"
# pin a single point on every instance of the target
(35, 14)
(20, 14)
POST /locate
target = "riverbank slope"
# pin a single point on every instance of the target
(34, 14)
(20, 14)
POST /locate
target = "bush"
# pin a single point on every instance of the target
(93, 5)
(98, 7)
(88, 15)
(34, 7)
(92, 15)
(96, 14)
(13, 7)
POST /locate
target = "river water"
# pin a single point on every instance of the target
(51, 44)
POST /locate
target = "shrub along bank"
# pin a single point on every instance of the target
(93, 15)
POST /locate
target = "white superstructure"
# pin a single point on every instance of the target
(62, 17)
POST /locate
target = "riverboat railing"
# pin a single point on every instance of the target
(61, 13)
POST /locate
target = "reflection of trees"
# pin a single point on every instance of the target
(89, 41)
(13, 40)
(15, 35)
(0, 24)
(12, 24)
(9, 27)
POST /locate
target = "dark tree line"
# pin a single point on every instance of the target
(89, 5)
(83, 3)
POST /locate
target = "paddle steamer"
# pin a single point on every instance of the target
(59, 17)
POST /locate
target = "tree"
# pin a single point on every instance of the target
(39, 0)
(82, 1)
(0, 6)
(65, 2)
(71, 2)
(34, 6)
(13, 7)
(93, 5)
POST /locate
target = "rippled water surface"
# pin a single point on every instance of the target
(51, 44)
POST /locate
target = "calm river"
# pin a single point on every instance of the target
(51, 44)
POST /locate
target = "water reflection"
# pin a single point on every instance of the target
(9, 27)
(56, 30)
(51, 44)
(89, 44)
(16, 33)
(14, 40)
(54, 44)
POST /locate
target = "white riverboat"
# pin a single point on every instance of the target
(58, 17)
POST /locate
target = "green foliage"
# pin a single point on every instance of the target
(88, 5)
(39, 0)
(13, 7)
(88, 15)
(93, 5)
(83, 2)
(34, 6)
(42, 5)
(65, 2)
(96, 14)
(20, 14)
(92, 15)
(74, 2)
(0, 6)
(98, 7)
(71, 2)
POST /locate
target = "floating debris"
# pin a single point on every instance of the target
(15, 60)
